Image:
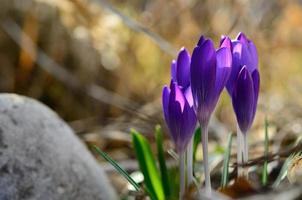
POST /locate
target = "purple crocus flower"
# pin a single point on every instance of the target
(244, 81)
(243, 87)
(210, 70)
(180, 73)
(179, 115)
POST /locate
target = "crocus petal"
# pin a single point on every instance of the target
(175, 118)
(173, 70)
(242, 38)
(248, 54)
(243, 99)
(183, 68)
(203, 73)
(189, 97)
(225, 42)
(256, 84)
(175, 111)
(177, 95)
(202, 39)
(246, 58)
(223, 71)
(253, 55)
(165, 102)
(236, 65)
(188, 126)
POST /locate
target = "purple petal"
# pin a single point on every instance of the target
(249, 56)
(253, 56)
(183, 68)
(243, 99)
(242, 38)
(177, 95)
(203, 73)
(225, 42)
(174, 112)
(249, 53)
(246, 58)
(173, 70)
(202, 39)
(165, 102)
(236, 66)
(175, 118)
(223, 71)
(256, 84)
(189, 97)
(188, 126)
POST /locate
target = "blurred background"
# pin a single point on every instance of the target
(101, 64)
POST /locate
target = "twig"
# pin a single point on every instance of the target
(272, 156)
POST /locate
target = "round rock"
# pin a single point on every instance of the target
(42, 158)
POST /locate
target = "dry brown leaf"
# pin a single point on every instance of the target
(294, 173)
(241, 187)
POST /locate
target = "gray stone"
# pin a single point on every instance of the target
(41, 158)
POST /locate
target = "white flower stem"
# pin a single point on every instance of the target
(182, 182)
(204, 134)
(245, 154)
(242, 153)
(239, 152)
(190, 162)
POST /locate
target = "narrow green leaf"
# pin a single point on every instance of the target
(147, 165)
(266, 125)
(174, 182)
(197, 139)
(266, 146)
(226, 161)
(117, 167)
(162, 161)
(264, 174)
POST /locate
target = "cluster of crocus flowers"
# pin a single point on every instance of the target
(210, 70)
(196, 84)
(180, 74)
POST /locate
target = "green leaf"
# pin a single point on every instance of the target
(174, 182)
(117, 167)
(226, 161)
(162, 161)
(264, 174)
(147, 166)
(266, 146)
(197, 139)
